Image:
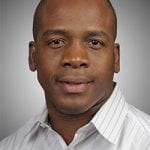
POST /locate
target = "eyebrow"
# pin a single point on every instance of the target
(97, 33)
(64, 32)
(55, 32)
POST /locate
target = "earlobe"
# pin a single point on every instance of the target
(117, 58)
(32, 56)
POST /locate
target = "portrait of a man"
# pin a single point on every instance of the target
(75, 55)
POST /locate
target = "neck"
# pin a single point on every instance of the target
(67, 125)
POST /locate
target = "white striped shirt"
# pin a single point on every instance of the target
(116, 126)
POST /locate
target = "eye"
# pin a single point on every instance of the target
(95, 44)
(56, 43)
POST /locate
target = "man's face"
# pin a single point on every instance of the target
(75, 55)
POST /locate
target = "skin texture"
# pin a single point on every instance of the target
(75, 56)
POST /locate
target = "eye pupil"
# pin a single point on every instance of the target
(94, 42)
(56, 41)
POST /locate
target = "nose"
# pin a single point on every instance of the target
(75, 57)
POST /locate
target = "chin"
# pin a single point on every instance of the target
(74, 111)
(73, 107)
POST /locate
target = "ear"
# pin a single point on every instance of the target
(117, 58)
(32, 56)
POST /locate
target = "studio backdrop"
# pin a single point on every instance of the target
(21, 97)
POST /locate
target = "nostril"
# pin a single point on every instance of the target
(84, 65)
(66, 64)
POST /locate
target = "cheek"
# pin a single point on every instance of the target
(105, 72)
(104, 64)
(46, 68)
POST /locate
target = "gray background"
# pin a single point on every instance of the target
(21, 97)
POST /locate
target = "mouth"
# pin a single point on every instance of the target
(74, 84)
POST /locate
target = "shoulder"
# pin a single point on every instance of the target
(141, 119)
(138, 128)
(15, 140)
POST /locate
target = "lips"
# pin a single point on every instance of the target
(74, 84)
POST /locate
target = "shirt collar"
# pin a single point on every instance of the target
(109, 119)
(38, 121)
(43, 118)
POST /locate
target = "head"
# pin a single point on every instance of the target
(74, 53)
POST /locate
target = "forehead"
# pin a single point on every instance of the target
(76, 14)
(58, 8)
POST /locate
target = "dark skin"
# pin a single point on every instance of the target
(75, 56)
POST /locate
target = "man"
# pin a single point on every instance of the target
(75, 56)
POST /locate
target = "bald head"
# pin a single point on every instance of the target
(42, 3)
